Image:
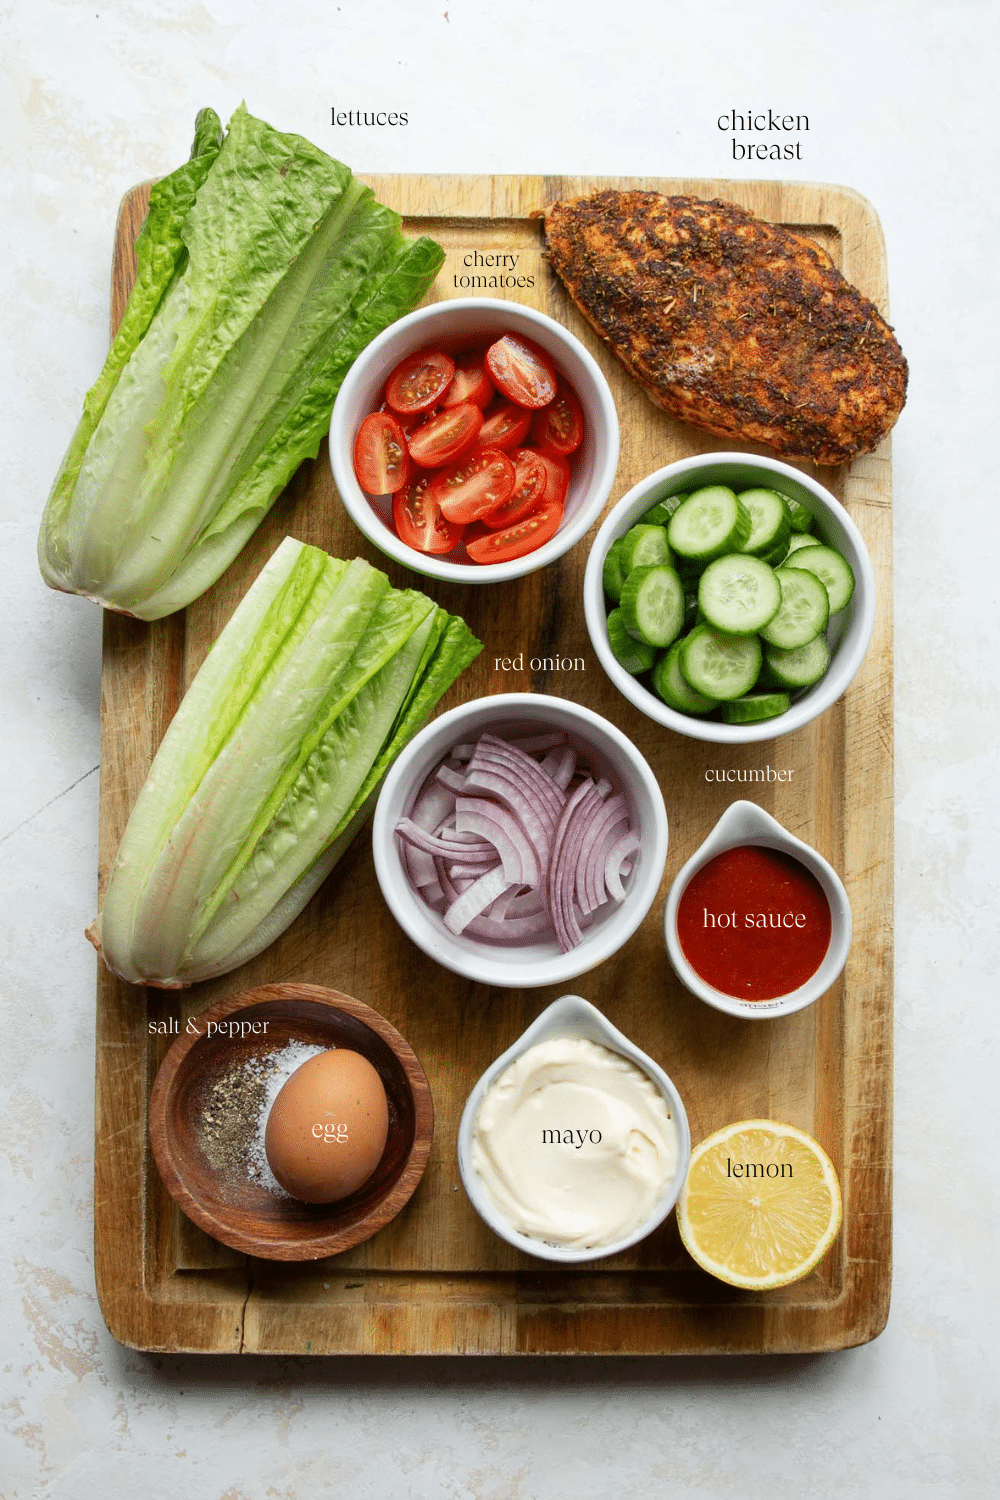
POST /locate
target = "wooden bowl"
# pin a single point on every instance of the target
(245, 1215)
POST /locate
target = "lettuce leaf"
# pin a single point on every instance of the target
(271, 763)
(264, 268)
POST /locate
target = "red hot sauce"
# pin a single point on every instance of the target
(754, 923)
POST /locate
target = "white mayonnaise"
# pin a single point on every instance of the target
(574, 1143)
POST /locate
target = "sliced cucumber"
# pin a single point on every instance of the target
(674, 688)
(801, 539)
(739, 594)
(635, 656)
(643, 547)
(613, 575)
(776, 556)
(690, 604)
(719, 665)
(756, 707)
(804, 612)
(770, 526)
(661, 512)
(800, 516)
(798, 668)
(652, 605)
(710, 523)
(831, 569)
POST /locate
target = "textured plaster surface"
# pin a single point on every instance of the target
(901, 101)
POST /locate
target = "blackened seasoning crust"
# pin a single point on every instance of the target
(734, 325)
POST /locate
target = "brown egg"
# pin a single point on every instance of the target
(327, 1128)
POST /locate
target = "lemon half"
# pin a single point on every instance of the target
(761, 1204)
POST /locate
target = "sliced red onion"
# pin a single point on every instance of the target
(522, 765)
(534, 820)
(455, 835)
(447, 848)
(472, 901)
(434, 804)
(524, 793)
(458, 872)
(560, 765)
(450, 893)
(509, 847)
(491, 821)
(595, 889)
(419, 866)
(525, 905)
(538, 742)
(560, 900)
(627, 844)
(591, 868)
(511, 930)
(453, 781)
(501, 906)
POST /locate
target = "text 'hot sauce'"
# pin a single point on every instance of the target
(754, 923)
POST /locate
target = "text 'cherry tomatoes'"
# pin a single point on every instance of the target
(444, 437)
(419, 523)
(521, 371)
(420, 380)
(381, 461)
(525, 536)
(474, 486)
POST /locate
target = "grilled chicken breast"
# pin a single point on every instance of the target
(734, 325)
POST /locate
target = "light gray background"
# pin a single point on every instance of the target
(902, 103)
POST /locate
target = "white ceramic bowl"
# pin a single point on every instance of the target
(461, 323)
(850, 631)
(571, 1016)
(746, 823)
(607, 750)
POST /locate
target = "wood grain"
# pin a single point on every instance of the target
(436, 1280)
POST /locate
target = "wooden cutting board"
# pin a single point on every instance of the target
(436, 1280)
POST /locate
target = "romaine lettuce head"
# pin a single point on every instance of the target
(272, 762)
(264, 268)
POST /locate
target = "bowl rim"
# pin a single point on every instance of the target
(622, 923)
(571, 1015)
(175, 1178)
(358, 506)
(746, 823)
(845, 664)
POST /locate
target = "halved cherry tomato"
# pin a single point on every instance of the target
(473, 487)
(469, 383)
(557, 476)
(559, 428)
(525, 536)
(476, 532)
(505, 427)
(419, 523)
(410, 421)
(444, 437)
(530, 476)
(521, 371)
(420, 380)
(381, 461)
